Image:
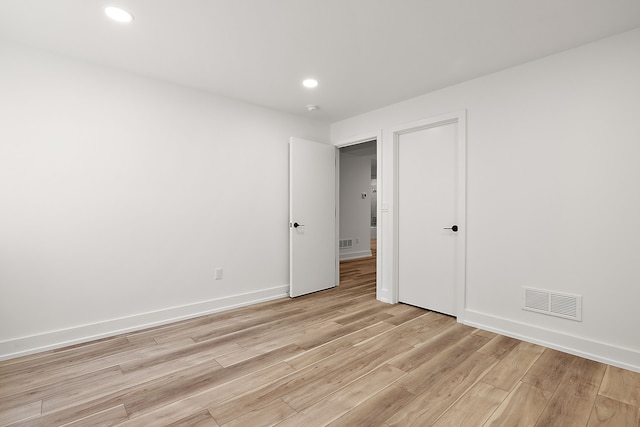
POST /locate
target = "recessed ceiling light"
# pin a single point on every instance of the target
(310, 83)
(118, 14)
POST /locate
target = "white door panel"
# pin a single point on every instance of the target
(312, 206)
(427, 197)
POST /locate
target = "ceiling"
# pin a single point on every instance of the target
(365, 53)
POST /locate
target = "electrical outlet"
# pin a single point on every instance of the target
(218, 274)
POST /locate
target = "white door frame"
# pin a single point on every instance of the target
(358, 139)
(459, 118)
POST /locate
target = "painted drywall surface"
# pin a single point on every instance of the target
(552, 191)
(355, 179)
(120, 195)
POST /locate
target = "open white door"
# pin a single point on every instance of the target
(312, 217)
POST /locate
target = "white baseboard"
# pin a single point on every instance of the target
(601, 352)
(83, 333)
(355, 255)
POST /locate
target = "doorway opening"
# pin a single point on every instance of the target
(358, 213)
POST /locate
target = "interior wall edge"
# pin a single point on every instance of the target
(51, 340)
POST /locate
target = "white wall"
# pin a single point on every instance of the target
(355, 212)
(552, 195)
(120, 195)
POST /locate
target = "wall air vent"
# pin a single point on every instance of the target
(346, 243)
(553, 303)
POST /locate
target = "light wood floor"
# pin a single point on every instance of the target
(337, 357)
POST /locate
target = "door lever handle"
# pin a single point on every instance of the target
(453, 228)
(296, 225)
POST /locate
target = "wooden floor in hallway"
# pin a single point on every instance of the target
(337, 357)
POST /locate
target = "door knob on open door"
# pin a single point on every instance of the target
(452, 228)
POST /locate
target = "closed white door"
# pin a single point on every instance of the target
(312, 217)
(428, 224)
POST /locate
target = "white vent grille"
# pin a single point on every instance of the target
(537, 300)
(346, 243)
(564, 305)
(553, 303)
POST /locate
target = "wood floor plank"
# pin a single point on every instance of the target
(166, 415)
(244, 384)
(32, 358)
(401, 309)
(269, 415)
(521, 408)
(238, 356)
(68, 356)
(432, 347)
(337, 345)
(200, 419)
(486, 334)
(474, 407)
(423, 327)
(440, 395)
(548, 369)
(311, 392)
(106, 418)
(38, 378)
(178, 351)
(191, 384)
(299, 316)
(71, 386)
(584, 377)
(510, 370)
(613, 413)
(83, 388)
(566, 411)
(168, 367)
(10, 415)
(443, 363)
(375, 313)
(231, 409)
(323, 338)
(378, 408)
(404, 314)
(385, 343)
(244, 329)
(499, 346)
(620, 384)
(137, 399)
(215, 324)
(338, 403)
(162, 390)
(573, 400)
(289, 334)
